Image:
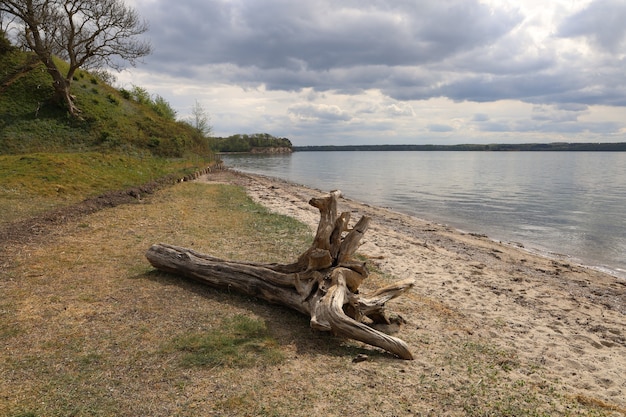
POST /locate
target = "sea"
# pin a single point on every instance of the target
(561, 204)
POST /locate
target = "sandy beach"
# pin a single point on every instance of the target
(565, 319)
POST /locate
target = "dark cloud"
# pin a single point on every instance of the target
(573, 107)
(602, 22)
(527, 87)
(320, 35)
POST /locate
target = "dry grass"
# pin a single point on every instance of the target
(89, 329)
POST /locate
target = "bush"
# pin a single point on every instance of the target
(5, 43)
(163, 108)
(140, 95)
(125, 93)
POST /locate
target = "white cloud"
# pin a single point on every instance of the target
(318, 112)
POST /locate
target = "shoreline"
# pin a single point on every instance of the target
(528, 247)
(555, 256)
(566, 319)
(543, 216)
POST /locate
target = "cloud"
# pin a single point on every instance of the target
(440, 128)
(318, 112)
(402, 71)
(546, 113)
(324, 44)
(480, 117)
(400, 109)
(459, 49)
(322, 34)
(602, 23)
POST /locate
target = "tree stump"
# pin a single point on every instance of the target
(323, 283)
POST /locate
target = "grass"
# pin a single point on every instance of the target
(86, 317)
(34, 183)
(239, 341)
(110, 120)
(49, 159)
(88, 328)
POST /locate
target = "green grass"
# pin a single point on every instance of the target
(240, 342)
(110, 120)
(33, 183)
(49, 159)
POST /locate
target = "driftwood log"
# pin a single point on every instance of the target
(323, 283)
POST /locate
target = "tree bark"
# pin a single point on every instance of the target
(322, 283)
(61, 87)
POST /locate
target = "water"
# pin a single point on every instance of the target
(560, 203)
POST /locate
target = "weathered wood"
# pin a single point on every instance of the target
(323, 283)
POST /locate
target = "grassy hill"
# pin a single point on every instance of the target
(49, 160)
(111, 119)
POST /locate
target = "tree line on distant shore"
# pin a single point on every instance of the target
(247, 143)
(557, 146)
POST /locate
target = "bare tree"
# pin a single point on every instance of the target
(85, 33)
(199, 120)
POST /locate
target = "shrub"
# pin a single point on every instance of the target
(125, 93)
(5, 43)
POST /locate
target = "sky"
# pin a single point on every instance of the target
(354, 72)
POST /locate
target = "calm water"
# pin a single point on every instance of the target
(567, 203)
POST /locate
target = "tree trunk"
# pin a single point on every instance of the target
(62, 89)
(323, 283)
(60, 83)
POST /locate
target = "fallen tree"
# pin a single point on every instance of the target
(323, 283)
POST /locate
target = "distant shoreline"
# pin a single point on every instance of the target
(524, 147)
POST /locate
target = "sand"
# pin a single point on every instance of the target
(562, 317)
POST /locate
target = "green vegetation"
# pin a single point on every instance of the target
(86, 33)
(122, 139)
(110, 120)
(31, 184)
(248, 143)
(240, 342)
(129, 121)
